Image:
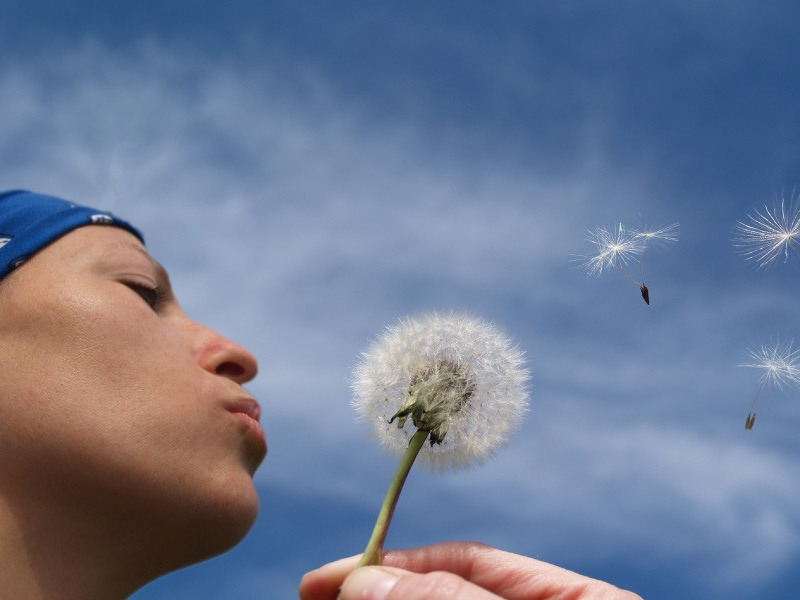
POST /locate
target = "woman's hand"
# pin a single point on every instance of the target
(458, 570)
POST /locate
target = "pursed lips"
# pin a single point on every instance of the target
(247, 406)
(249, 412)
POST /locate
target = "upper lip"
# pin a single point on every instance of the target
(246, 405)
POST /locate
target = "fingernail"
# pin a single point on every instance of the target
(368, 583)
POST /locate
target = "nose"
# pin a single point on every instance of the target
(217, 354)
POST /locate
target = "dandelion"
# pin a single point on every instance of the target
(622, 245)
(780, 367)
(453, 380)
(769, 233)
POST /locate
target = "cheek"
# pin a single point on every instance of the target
(106, 404)
(108, 400)
(101, 369)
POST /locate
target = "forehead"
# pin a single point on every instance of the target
(89, 249)
(94, 242)
(84, 247)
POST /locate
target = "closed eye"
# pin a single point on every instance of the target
(152, 295)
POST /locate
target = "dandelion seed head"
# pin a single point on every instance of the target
(769, 233)
(779, 364)
(481, 372)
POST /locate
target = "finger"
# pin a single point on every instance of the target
(508, 575)
(386, 583)
(324, 583)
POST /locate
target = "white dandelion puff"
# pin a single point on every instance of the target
(453, 380)
(616, 248)
(457, 376)
(770, 233)
(779, 366)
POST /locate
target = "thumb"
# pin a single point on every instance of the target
(388, 583)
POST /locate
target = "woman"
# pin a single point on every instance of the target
(128, 443)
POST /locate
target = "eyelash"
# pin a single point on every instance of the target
(153, 296)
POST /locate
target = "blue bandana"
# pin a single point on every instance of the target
(28, 222)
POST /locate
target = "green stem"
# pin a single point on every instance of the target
(372, 554)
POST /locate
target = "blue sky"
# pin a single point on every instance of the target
(311, 172)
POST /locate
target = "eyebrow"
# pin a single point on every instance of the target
(160, 270)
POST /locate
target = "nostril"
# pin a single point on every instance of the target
(230, 369)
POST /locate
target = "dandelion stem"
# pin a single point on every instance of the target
(372, 554)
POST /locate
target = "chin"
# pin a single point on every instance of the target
(238, 524)
(212, 523)
(230, 520)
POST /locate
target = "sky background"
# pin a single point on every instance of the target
(309, 172)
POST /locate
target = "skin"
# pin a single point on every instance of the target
(127, 450)
(457, 570)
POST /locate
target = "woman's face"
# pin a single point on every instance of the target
(115, 404)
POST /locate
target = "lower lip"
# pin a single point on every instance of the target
(254, 428)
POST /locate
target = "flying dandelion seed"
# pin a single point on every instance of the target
(780, 367)
(613, 249)
(623, 245)
(648, 236)
(769, 233)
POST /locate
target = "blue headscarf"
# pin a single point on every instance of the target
(28, 222)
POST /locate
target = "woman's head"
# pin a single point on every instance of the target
(120, 415)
